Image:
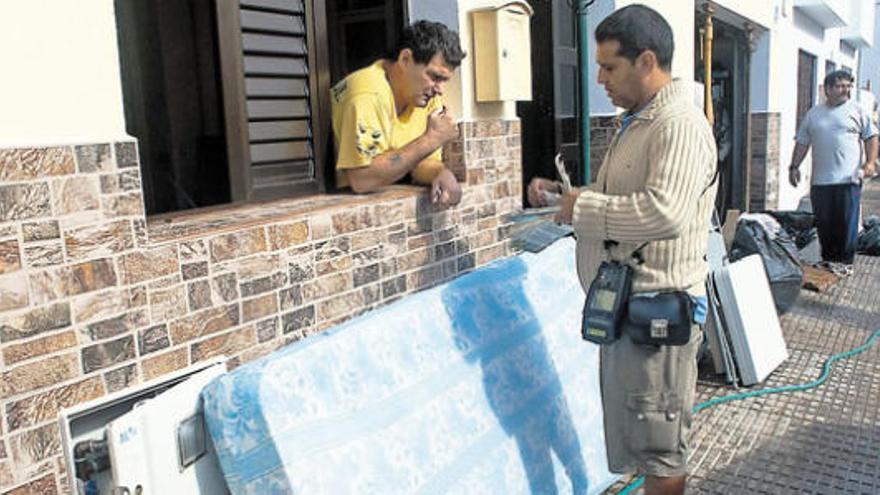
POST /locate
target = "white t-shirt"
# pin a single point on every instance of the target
(836, 135)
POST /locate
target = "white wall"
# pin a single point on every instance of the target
(599, 102)
(680, 16)
(60, 81)
(861, 22)
(444, 11)
(869, 64)
(758, 12)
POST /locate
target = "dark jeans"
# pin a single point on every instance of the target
(836, 209)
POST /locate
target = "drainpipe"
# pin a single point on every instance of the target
(751, 46)
(707, 63)
(584, 86)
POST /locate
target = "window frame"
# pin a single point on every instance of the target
(805, 88)
(232, 75)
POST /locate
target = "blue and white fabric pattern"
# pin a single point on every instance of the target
(478, 386)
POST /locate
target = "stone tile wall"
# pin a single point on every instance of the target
(764, 183)
(95, 298)
(602, 130)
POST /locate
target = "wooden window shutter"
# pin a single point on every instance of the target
(268, 56)
(806, 84)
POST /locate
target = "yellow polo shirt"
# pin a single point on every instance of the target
(366, 124)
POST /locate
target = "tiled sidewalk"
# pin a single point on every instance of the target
(822, 441)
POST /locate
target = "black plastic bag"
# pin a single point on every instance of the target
(762, 235)
(800, 225)
(868, 241)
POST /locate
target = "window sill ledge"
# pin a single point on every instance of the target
(187, 225)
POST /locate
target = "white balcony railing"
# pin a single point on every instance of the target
(828, 13)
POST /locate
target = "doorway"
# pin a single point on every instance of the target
(550, 120)
(730, 68)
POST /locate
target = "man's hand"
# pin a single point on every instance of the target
(797, 156)
(868, 170)
(566, 206)
(441, 127)
(794, 176)
(445, 189)
(537, 189)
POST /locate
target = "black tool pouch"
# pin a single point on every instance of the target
(664, 318)
(606, 303)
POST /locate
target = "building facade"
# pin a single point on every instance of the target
(165, 192)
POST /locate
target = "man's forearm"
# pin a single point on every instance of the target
(871, 147)
(389, 167)
(798, 155)
(426, 171)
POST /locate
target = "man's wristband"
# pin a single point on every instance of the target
(793, 167)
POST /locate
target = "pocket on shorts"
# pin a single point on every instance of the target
(655, 422)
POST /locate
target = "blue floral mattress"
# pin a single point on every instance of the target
(478, 386)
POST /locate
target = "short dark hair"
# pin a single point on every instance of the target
(638, 28)
(839, 75)
(426, 39)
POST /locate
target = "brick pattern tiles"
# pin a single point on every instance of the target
(764, 180)
(95, 298)
(602, 130)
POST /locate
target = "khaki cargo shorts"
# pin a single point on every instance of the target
(647, 396)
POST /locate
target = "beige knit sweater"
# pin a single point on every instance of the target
(651, 188)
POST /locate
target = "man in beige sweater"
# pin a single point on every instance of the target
(655, 188)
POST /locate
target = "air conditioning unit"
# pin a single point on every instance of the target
(148, 440)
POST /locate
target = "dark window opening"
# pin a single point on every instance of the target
(830, 67)
(228, 100)
(173, 106)
(361, 32)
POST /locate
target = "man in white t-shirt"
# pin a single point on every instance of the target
(844, 141)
